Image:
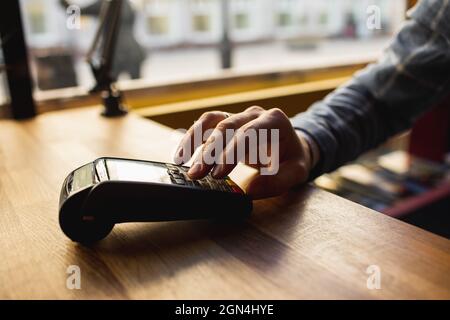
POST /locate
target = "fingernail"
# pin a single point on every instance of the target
(216, 171)
(178, 156)
(195, 169)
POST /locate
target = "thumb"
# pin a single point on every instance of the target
(290, 173)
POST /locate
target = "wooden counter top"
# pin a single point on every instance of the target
(305, 244)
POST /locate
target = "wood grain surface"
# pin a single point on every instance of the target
(306, 244)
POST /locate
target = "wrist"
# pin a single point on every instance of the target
(312, 148)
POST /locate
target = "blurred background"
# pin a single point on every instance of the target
(180, 39)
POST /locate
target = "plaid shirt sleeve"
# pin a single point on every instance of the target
(386, 97)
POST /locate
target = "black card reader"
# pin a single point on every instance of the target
(107, 191)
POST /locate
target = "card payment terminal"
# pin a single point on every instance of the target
(107, 191)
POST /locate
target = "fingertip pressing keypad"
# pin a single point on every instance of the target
(179, 176)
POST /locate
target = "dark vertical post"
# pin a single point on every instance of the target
(225, 45)
(16, 61)
(112, 97)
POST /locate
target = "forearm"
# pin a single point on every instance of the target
(341, 127)
(386, 97)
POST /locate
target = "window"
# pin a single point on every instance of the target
(284, 19)
(158, 25)
(241, 21)
(201, 23)
(323, 18)
(36, 16)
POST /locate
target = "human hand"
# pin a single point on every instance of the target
(296, 154)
